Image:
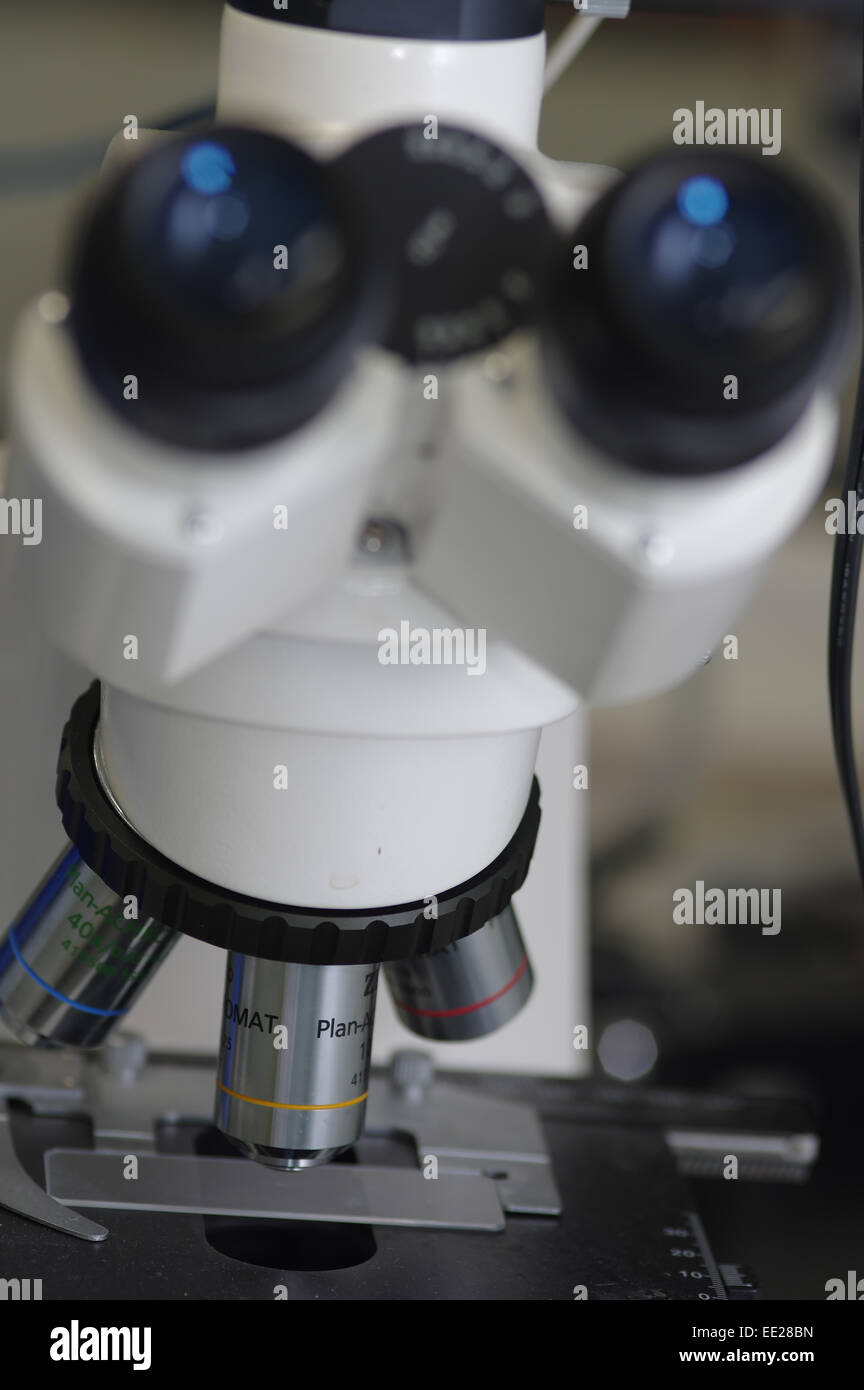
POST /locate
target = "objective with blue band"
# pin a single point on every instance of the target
(76, 958)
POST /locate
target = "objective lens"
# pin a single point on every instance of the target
(75, 960)
(294, 1062)
(467, 990)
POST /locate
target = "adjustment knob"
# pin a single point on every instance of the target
(463, 230)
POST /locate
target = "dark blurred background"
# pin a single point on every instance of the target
(731, 779)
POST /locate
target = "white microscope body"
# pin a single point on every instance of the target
(249, 729)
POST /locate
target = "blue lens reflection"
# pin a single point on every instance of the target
(208, 168)
(703, 201)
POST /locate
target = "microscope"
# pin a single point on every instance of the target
(369, 442)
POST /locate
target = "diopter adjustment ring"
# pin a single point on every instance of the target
(188, 904)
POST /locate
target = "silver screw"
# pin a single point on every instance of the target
(125, 1056)
(412, 1073)
(383, 540)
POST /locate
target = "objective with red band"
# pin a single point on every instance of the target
(469, 989)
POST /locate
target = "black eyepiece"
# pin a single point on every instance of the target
(220, 289)
(711, 301)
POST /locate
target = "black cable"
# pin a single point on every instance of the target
(844, 588)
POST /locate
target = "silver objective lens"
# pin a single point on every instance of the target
(467, 990)
(294, 1062)
(76, 958)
